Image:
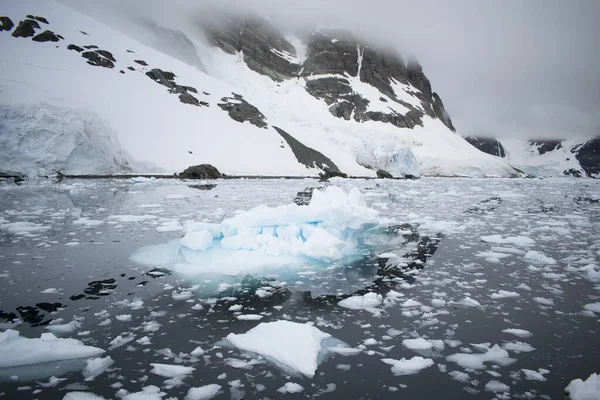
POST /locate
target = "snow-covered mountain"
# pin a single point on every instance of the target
(79, 96)
(545, 158)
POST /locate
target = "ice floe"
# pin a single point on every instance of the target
(584, 390)
(408, 366)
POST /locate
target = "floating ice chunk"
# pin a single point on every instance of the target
(123, 317)
(410, 303)
(408, 366)
(198, 240)
(17, 350)
(535, 375)
(235, 307)
(522, 333)
(460, 376)
(368, 301)
(369, 342)
(96, 366)
(469, 302)
(22, 227)
(291, 344)
(503, 294)
(514, 240)
(181, 296)
(544, 301)
(203, 392)
(49, 291)
(496, 386)
(518, 347)
(197, 352)
(291, 387)
(585, 390)
(171, 371)
(148, 393)
(417, 344)
(120, 341)
(595, 307)
(495, 355)
(538, 258)
(82, 396)
(249, 317)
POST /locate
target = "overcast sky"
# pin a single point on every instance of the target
(521, 68)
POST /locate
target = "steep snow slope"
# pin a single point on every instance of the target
(153, 125)
(526, 156)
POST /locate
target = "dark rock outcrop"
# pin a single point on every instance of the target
(240, 110)
(588, 155)
(75, 47)
(167, 79)
(6, 24)
(26, 28)
(46, 36)
(41, 19)
(141, 62)
(305, 155)
(265, 49)
(203, 171)
(544, 146)
(98, 59)
(417, 78)
(327, 173)
(331, 52)
(383, 174)
(487, 145)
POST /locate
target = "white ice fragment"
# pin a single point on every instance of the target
(535, 375)
(17, 350)
(504, 294)
(123, 317)
(203, 392)
(169, 226)
(148, 393)
(82, 396)
(408, 366)
(171, 371)
(197, 352)
(197, 240)
(49, 291)
(585, 390)
(544, 301)
(249, 317)
(368, 302)
(345, 351)
(417, 344)
(496, 386)
(538, 258)
(595, 307)
(460, 376)
(96, 366)
(495, 355)
(60, 329)
(236, 307)
(518, 347)
(469, 302)
(522, 333)
(291, 387)
(181, 296)
(294, 345)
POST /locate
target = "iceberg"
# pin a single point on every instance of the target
(294, 346)
(18, 351)
(324, 232)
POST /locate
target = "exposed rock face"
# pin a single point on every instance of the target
(240, 110)
(333, 52)
(6, 24)
(203, 171)
(26, 28)
(487, 145)
(544, 146)
(326, 174)
(305, 155)
(588, 156)
(167, 79)
(98, 58)
(46, 36)
(265, 48)
(383, 174)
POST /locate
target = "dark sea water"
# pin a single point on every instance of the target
(436, 225)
